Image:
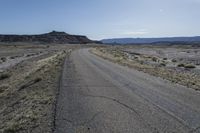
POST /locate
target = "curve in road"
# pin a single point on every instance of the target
(99, 96)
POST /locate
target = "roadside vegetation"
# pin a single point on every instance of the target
(28, 94)
(167, 68)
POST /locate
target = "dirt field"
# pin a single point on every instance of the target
(179, 64)
(29, 76)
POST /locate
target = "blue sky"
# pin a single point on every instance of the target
(100, 19)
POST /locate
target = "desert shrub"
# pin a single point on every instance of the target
(162, 64)
(181, 65)
(12, 57)
(36, 80)
(116, 55)
(3, 88)
(12, 128)
(197, 63)
(3, 59)
(189, 66)
(4, 76)
(141, 62)
(154, 59)
(174, 60)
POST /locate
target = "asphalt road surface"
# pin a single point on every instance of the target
(98, 96)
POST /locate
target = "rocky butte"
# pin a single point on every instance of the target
(52, 37)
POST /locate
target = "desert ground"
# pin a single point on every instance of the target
(179, 64)
(29, 77)
(99, 89)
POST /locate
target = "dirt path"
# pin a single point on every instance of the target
(102, 97)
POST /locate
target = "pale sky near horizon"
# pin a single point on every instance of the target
(99, 19)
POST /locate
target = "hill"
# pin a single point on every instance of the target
(52, 37)
(151, 40)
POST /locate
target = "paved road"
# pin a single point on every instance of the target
(98, 96)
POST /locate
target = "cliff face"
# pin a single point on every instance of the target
(52, 37)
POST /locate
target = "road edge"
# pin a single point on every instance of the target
(58, 91)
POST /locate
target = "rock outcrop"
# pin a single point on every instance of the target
(52, 37)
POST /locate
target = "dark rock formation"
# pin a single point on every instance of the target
(52, 37)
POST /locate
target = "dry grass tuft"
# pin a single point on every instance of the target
(4, 76)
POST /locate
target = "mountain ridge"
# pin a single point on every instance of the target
(151, 40)
(51, 37)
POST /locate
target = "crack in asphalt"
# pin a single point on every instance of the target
(164, 110)
(194, 130)
(126, 106)
(161, 108)
(76, 85)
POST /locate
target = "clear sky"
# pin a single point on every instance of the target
(100, 19)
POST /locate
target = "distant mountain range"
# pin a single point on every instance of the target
(152, 40)
(52, 37)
